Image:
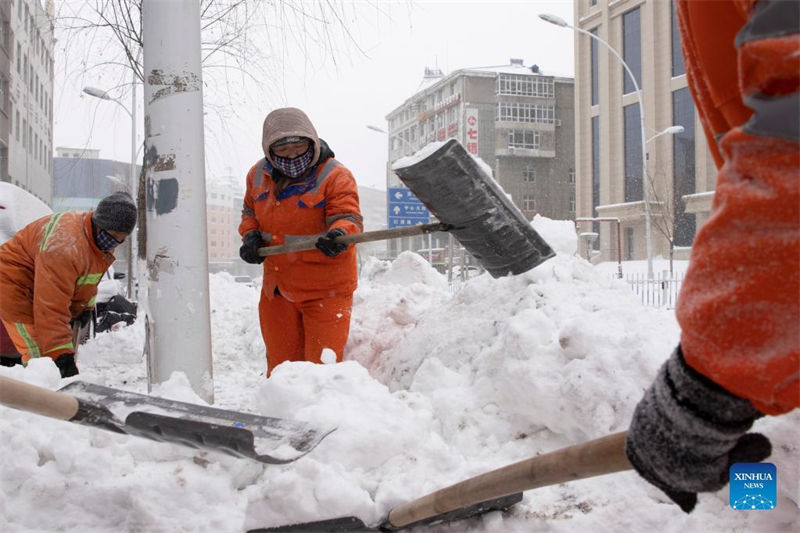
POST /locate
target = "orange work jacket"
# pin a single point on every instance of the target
(739, 307)
(49, 273)
(311, 206)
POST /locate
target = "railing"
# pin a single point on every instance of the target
(661, 291)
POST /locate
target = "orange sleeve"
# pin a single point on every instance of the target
(54, 285)
(342, 208)
(249, 222)
(739, 307)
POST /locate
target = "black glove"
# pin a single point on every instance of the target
(66, 365)
(249, 249)
(84, 318)
(328, 246)
(687, 431)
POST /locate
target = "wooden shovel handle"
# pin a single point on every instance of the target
(367, 236)
(37, 400)
(594, 458)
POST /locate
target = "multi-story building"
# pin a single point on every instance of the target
(224, 199)
(26, 96)
(608, 137)
(518, 120)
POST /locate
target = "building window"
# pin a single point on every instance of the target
(525, 85)
(628, 244)
(595, 71)
(683, 165)
(528, 203)
(572, 206)
(17, 131)
(677, 55)
(633, 154)
(632, 48)
(3, 93)
(529, 174)
(531, 113)
(595, 173)
(526, 139)
(572, 175)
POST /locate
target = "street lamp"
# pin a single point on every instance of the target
(103, 95)
(558, 21)
(672, 130)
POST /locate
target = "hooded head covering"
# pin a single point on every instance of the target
(116, 212)
(288, 122)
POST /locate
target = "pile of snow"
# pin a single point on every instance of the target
(18, 208)
(437, 387)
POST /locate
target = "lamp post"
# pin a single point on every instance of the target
(132, 189)
(558, 21)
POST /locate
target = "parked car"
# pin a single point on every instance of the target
(247, 280)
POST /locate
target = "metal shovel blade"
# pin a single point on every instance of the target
(351, 523)
(265, 439)
(458, 192)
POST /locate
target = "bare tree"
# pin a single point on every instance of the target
(664, 213)
(245, 44)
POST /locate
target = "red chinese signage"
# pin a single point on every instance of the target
(471, 131)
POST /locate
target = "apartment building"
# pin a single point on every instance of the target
(611, 182)
(26, 96)
(224, 199)
(517, 119)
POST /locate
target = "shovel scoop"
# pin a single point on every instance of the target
(264, 439)
(485, 221)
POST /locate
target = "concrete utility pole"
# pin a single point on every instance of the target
(177, 306)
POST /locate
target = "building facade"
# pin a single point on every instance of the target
(679, 176)
(224, 199)
(26, 96)
(518, 120)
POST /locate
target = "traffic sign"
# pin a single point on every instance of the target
(405, 209)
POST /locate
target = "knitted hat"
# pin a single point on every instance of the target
(116, 212)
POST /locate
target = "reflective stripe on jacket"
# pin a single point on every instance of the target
(49, 273)
(739, 307)
(310, 206)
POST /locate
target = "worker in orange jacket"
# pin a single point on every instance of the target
(299, 190)
(49, 271)
(739, 307)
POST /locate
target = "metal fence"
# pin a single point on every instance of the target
(661, 291)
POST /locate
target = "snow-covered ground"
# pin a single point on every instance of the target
(437, 387)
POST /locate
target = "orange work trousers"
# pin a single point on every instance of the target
(300, 331)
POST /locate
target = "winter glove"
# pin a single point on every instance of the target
(249, 249)
(328, 246)
(66, 365)
(687, 431)
(84, 319)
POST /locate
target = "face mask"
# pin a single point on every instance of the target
(105, 241)
(296, 166)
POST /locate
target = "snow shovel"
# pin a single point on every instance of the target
(493, 491)
(469, 204)
(265, 439)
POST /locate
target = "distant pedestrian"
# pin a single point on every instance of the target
(739, 308)
(299, 190)
(49, 271)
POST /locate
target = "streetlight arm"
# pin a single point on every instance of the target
(103, 95)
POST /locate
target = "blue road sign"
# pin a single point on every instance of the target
(405, 209)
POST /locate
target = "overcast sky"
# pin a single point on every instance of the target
(397, 41)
